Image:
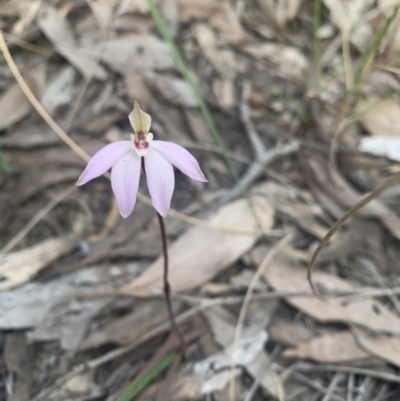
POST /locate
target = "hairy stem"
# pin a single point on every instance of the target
(167, 287)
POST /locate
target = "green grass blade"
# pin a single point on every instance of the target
(317, 41)
(148, 376)
(162, 26)
(370, 54)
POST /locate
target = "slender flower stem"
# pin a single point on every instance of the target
(167, 287)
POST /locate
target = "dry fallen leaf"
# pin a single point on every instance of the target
(348, 17)
(36, 179)
(19, 357)
(52, 309)
(224, 59)
(130, 327)
(195, 258)
(174, 90)
(57, 29)
(289, 332)
(386, 6)
(60, 91)
(60, 155)
(19, 267)
(332, 189)
(383, 119)
(13, 106)
(120, 239)
(287, 62)
(128, 55)
(219, 15)
(284, 276)
(30, 134)
(296, 203)
(382, 346)
(247, 350)
(223, 325)
(337, 347)
(381, 146)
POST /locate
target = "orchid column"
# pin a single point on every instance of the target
(126, 159)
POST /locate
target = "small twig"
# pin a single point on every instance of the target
(389, 183)
(337, 378)
(96, 61)
(202, 305)
(286, 372)
(254, 138)
(350, 387)
(363, 389)
(27, 45)
(263, 156)
(256, 384)
(283, 242)
(210, 147)
(36, 218)
(382, 393)
(258, 167)
(306, 367)
(162, 328)
(308, 382)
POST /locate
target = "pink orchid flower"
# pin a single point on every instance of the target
(125, 159)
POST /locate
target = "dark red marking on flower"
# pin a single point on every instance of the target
(141, 141)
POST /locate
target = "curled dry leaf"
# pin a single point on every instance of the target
(337, 347)
(19, 267)
(284, 276)
(195, 258)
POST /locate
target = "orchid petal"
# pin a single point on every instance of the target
(103, 160)
(160, 180)
(125, 182)
(180, 158)
(140, 120)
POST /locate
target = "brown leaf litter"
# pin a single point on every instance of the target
(72, 323)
